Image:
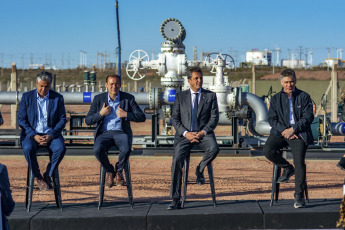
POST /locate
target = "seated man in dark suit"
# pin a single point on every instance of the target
(113, 111)
(7, 202)
(194, 116)
(42, 117)
(290, 116)
(1, 120)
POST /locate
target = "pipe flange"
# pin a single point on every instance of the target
(155, 98)
(170, 47)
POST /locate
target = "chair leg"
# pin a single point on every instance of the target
(210, 175)
(274, 183)
(185, 178)
(29, 189)
(277, 184)
(306, 191)
(101, 187)
(129, 184)
(57, 189)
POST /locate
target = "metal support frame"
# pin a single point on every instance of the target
(155, 128)
(185, 180)
(30, 185)
(128, 184)
(276, 186)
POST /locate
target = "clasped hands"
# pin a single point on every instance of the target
(289, 134)
(106, 110)
(43, 140)
(195, 137)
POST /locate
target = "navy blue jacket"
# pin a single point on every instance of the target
(7, 203)
(127, 103)
(278, 114)
(1, 120)
(28, 115)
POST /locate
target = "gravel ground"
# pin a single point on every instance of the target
(235, 179)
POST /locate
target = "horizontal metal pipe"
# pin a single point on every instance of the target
(223, 119)
(261, 113)
(75, 98)
(338, 129)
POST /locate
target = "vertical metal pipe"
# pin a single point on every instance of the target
(334, 98)
(118, 37)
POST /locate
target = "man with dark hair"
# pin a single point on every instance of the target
(42, 117)
(290, 116)
(194, 116)
(112, 112)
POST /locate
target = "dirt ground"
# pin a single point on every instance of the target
(235, 179)
(247, 178)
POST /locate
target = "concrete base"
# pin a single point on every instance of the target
(195, 215)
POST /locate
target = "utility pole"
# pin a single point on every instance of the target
(22, 63)
(235, 58)
(300, 57)
(272, 61)
(97, 60)
(329, 50)
(2, 64)
(69, 61)
(306, 58)
(62, 61)
(31, 58)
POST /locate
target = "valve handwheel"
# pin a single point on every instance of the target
(135, 69)
(211, 62)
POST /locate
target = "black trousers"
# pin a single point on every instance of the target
(182, 147)
(298, 149)
(111, 138)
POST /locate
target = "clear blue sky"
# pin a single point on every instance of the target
(60, 29)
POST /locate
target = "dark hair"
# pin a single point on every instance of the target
(194, 70)
(113, 75)
(44, 76)
(288, 73)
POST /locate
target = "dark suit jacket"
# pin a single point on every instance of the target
(208, 114)
(1, 120)
(127, 103)
(27, 114)
(7, 203)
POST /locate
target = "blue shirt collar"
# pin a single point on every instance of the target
(117, 98)
(45, 98)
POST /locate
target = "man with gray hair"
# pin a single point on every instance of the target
(42, 117)
(290, 116)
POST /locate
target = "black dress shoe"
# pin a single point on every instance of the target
(341, 163)
(200, 179)
(48, 180)
(175, 204)
(287, 173)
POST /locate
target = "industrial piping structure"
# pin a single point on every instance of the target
(171, 66)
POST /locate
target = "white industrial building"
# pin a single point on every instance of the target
(329, 62)
(263, 58)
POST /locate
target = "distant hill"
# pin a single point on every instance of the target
(308, 75)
